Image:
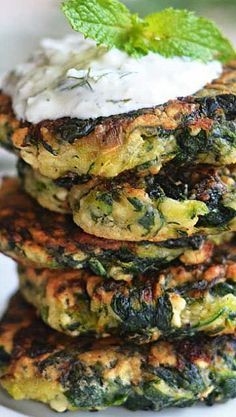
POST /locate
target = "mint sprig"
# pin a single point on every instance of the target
(170, 32)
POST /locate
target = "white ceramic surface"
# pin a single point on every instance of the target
(22, 23)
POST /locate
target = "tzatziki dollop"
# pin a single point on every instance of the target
(73, 77)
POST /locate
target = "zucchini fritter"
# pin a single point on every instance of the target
(36, 237)
(178, 301)
(198, 129)
(80, 373)
(155, 208)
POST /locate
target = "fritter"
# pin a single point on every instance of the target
(70, 374)
(198, 129)
(36, 237)
(178, 301)
(50, 194)
(155, 208)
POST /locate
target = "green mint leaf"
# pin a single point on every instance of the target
(107, 22)
(182, 33)
(170, 33)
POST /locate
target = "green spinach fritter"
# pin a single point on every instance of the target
(178, 301)
(197, 129)
(81, 373)
(158, 207)
(37, 237)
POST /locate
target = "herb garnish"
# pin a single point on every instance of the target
(170, 32)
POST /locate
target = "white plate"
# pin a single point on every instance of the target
(22, 23)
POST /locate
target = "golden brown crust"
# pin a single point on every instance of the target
(80, 302)
(108, 133)
(121, 139)
(23, 220)
(82, 373)
(34, 236)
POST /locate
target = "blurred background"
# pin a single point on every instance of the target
(24, 22)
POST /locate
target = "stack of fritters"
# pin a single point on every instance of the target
(123, 230)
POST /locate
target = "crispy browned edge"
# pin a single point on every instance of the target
(109, 132)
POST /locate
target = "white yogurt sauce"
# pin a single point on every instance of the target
(73, 77)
